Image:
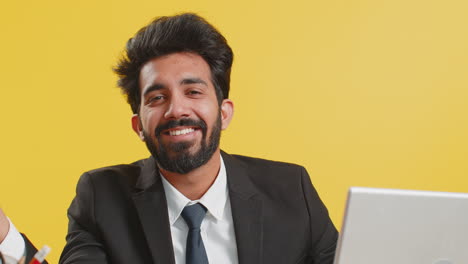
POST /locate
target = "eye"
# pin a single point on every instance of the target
(194, 92)
(155, 99)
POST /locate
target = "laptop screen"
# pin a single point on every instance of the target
(387, 226)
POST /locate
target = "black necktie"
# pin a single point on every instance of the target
(195, 250)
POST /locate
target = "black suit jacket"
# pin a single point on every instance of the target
(119, 215)
(30, 250)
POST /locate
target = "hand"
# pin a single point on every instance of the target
(4, 225)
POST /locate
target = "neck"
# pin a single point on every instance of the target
(194, 184)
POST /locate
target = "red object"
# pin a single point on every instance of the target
(40, 255)
(34, 261)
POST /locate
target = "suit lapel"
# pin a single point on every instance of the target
(151, 205)
(246, 212)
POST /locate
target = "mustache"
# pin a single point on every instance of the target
(181, 122)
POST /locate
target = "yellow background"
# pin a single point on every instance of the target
(362, 93)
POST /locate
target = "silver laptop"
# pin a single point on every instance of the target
(385, 226)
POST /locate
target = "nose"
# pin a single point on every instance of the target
(177, 108)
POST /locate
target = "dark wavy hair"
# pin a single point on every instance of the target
(186, 32)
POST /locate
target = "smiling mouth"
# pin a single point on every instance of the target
(178, 132)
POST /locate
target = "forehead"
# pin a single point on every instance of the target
(173, 68)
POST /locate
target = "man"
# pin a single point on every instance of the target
(190, 202)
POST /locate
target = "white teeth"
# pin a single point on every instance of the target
(181, 132)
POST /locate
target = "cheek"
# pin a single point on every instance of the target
(150, 119)
(209, 114)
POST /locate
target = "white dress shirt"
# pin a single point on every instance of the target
(217, 228)
(13, 245)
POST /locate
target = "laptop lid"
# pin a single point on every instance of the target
(387, 226)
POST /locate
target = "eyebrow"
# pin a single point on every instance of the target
(153, 87)
(158, 86)
(193, 81)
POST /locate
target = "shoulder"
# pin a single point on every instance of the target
(265, 176)
(264, 165)
(106, 187)
(119, 169)
(122, 174)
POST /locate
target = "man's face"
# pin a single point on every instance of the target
(180, 119)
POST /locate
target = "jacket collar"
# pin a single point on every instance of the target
(150, 202)
(247, 211)
(149, 174)
(246, 206)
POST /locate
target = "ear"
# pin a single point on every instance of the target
(227, 112)
(137, 127)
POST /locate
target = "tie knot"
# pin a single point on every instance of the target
(193, 215)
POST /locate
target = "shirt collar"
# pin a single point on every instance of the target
(214, 199)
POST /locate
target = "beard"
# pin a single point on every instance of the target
(177, 157)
